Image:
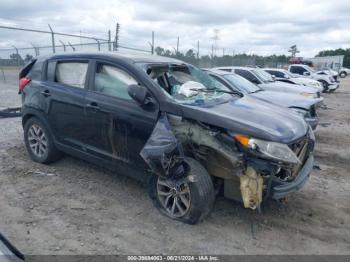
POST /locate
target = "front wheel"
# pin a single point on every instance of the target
(188, 199)
(343, 74)
(324, 84)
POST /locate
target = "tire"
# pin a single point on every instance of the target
(39, 142)
(343, 74)
(325, 85)
(200, 199)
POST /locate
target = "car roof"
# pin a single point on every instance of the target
(133, 58)
(236, 67)
(275, 69)
(218, 72)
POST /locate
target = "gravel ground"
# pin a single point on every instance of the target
(73, 207)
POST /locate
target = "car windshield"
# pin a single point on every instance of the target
(187, 84)
(242, 84)
(263, 76)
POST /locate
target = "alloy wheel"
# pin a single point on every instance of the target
(175, 198)
(37, 140)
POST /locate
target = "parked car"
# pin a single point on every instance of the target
(284, 76)
(344, 72)
(265, 81)
(328, 81)
(330, 72)
(166, 123)
(302, 105)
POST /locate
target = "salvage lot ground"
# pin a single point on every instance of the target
(73, 207)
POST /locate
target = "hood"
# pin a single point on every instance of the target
(285, 87)
(287, 99)
(251, 117)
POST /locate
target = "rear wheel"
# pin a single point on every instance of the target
(188, 199)
(39, 142)
(343, 74)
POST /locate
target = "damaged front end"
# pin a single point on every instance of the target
(244, 169)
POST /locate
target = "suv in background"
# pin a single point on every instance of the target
(344, 72)
(166, 123)
(328, 81)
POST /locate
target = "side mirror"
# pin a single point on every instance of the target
(138, 93)
(306, 73)
(273, 77)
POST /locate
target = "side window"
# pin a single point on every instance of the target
(113, 81)
(276, 73)
(71, 73)
(247, 75)
(297, 70)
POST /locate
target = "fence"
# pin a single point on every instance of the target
(15, 55)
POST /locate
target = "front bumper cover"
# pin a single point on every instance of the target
(281, 189)
(333, 86)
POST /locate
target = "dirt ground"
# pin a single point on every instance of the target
(73, 207)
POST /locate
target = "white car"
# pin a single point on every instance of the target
(328, 81)
(284, 76)
(343, 72)
(265, 81)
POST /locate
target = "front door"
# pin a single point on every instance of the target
(117, 127)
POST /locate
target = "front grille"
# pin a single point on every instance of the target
(335, 78)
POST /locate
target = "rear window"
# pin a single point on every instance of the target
(71, 73)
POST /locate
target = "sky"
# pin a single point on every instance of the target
(261, 27)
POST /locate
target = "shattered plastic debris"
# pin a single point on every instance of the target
(163, 152)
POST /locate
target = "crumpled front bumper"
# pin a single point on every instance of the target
(280, 189)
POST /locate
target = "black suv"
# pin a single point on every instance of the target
(166, 123)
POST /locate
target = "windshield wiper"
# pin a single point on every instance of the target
(256, 91)
(217, 90)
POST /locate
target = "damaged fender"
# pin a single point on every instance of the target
(163, 152)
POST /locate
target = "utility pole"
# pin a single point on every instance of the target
(152, 43)
(177, 45)
(212, 55)
(117, 29)
(52, 39)
(233, 55)
(109, 41)
(198, 50)
(17, 55)
(223, 52)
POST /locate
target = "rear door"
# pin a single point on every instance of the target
(64, 94)
(117, 127)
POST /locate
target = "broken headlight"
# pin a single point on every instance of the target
(271, 150)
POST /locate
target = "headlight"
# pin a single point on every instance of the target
(313, 95)
(314, 84)
(271, 150)
(331, 79)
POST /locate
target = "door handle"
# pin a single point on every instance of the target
(46, 93)
(93, 105)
